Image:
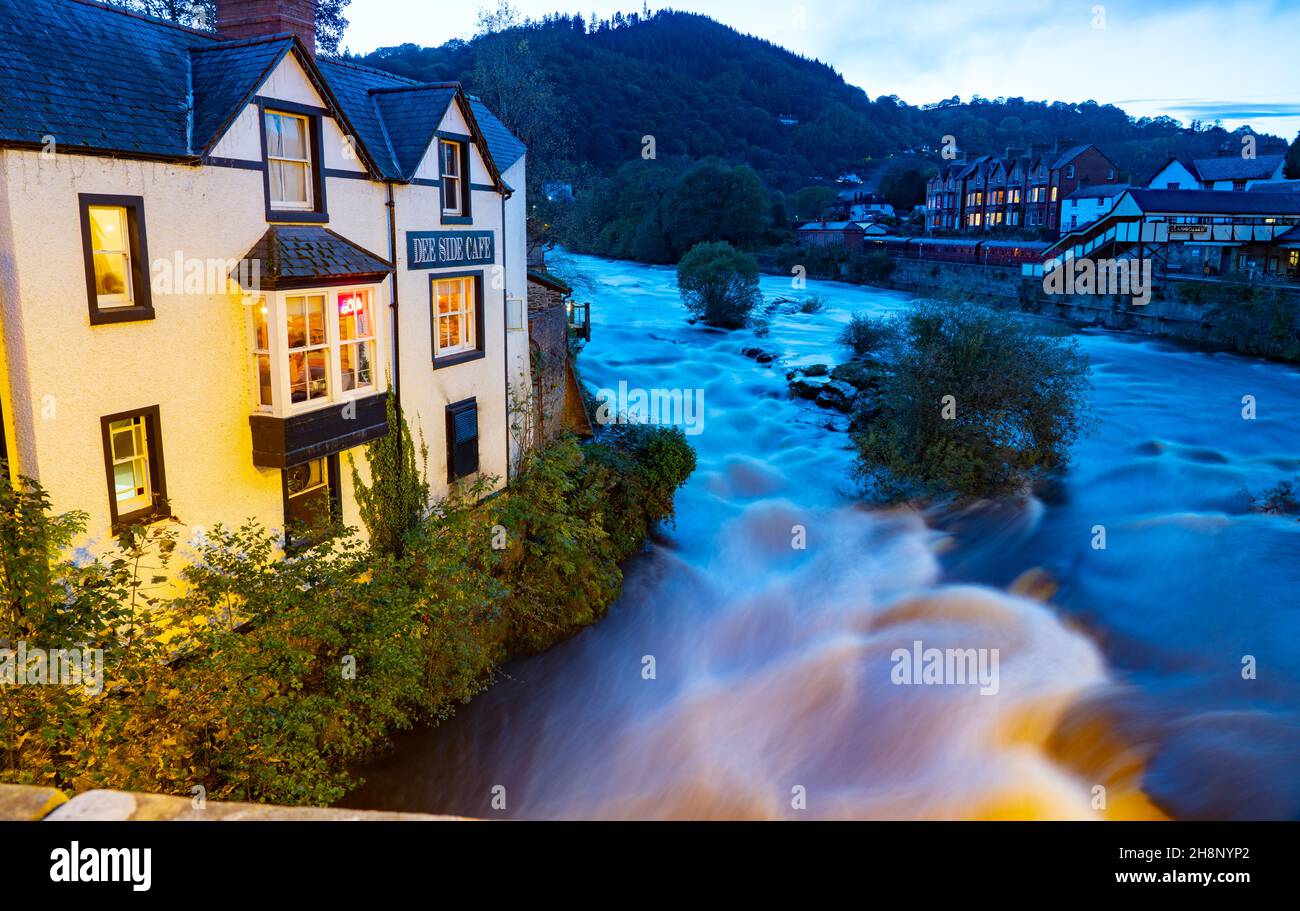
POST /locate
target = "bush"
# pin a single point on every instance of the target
(866, 336)
(269, 678)
(875, 267)
(1018, 401)
(719, 284)
(813, 303)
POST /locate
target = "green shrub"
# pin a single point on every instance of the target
(269, 678)
(866, 335)
(719, 284)
(1019, 400)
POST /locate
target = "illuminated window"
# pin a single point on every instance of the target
(308, 348)
(356, 340)
(262, 354)
(133, 460)
(454, 301)
(288, 160)
(116, 258)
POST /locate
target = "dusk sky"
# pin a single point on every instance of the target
(1190, 59)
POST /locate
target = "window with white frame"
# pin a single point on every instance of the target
(130, 454)
(308, 347)
(312, 347)
(288, 160)
(356, 340)
(453, 192)
(454, 315)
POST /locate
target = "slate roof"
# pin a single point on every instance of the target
(1234, 167)
(1276, 186)
(1098, 190)
(546, 280)
(289, 254)
(411, 115)
(105, 80)
(1069, 155)
(1216, 202)
(1290, 238)
(506, 147)
(831, 226)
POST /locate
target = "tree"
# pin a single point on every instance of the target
(812, 202)
(396, 500)
(202, 14)
(719, 284)
(714, 202)
(974, 403)
(903, 188)
(1291, 170)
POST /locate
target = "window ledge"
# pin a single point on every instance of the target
(297, 216)
(456, 219)
(103, 316)
(460, 357)
(154, 515)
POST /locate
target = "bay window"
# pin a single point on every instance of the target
(312, 347)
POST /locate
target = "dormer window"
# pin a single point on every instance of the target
(454, 170)
(295, 185)
(288, 160)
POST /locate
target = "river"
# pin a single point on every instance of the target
(1121, 691)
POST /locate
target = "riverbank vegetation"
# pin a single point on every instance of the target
(255, 676)
(719, 284)
(964, 401)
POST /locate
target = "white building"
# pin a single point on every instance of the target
(1086, 204)
(216, 253)
(1229, 172)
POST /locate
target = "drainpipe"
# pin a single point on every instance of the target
(392, 300)
(505, 331)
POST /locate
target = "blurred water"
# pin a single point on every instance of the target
(772, 663)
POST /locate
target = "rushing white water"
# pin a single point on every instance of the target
(772, 694)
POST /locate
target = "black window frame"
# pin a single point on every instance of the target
(333, 476)
(319, 212)
(157, 469)
(480, 341)
(466, 215)
(454, 443)
(141, 292)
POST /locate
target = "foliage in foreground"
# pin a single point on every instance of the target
(1018, 402)
(719, 284)
(269, 679)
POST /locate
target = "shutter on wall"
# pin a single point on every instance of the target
(462, 439)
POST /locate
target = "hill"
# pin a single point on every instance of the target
(702, 89)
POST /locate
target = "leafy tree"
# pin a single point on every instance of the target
(1291, 170)
(812, 202)
(975, 403)
(719, 284)
(714, 202)
(202, 14)
(903, 188)
(396, 500)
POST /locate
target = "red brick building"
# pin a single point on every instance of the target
(1023, 188)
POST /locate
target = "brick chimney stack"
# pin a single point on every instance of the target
(259, 18)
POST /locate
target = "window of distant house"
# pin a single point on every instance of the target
(1069, 171)
(116, 258)
(313, 347)
(455, 317)
(288, 160)
(311, 500)
(1239, 185)
(1110, 173)
(133, 460)
(451, 156)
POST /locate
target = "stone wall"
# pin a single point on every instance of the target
(1173, 312)
(23, 803)
(548, 333)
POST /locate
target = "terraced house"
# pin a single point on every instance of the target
(218, 253)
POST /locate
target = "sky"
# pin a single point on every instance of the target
(1230, 60)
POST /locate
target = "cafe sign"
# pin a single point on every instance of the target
(444, 249)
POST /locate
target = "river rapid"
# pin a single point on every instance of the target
(742, 676)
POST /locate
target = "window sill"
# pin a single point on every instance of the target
(140, 518)
(456, 219)
(460, 357)
(103, 316)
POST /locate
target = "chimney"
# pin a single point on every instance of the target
(260, 18)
